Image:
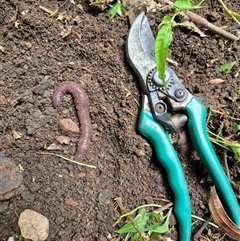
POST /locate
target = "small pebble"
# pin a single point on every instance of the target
(69, 125)
(35, 121)
(49, 110)
(28, 197)
(33, 225)
(104, 197)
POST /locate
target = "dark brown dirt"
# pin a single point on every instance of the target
(79, 202)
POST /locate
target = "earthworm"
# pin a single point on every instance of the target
(82, 108)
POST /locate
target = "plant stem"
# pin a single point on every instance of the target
(131, 219)
(67, 159)
(231, 13)
(203, 220)
(134, 210)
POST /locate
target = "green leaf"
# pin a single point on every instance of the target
(167, 20)
(135, 237)
(163, 228)
(236, 127)
(236, 150)
(141, 220)
(162, 43)
(157, 216)
(226, 68)
(184, 4)
(116, 9)
(238, 92)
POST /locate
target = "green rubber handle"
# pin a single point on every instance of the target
(197, 115)
(167, 156)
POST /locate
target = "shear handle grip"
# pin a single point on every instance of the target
(197, 115)
(167, 156)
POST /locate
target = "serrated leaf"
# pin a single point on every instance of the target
(162, 43)
(116, 9)
(184, 4)
(226, 68)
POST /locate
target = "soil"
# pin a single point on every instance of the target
(40, 52)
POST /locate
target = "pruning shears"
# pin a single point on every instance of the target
(155, 124)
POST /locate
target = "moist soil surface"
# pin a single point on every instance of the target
(79, 43)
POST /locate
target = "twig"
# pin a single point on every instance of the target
(199, 232)
(50, 12)
(234, 27)
(198, 20)
(213, 28)
(14, 17)
(226, 163)
(67, 159)
(130, 113)
(166, 206)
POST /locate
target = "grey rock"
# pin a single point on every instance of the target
(35, 121)
(28, 197)
(3, 206)
(42, 86)
(48, 111)
(104, 197)
(10, 178)
(46, 94)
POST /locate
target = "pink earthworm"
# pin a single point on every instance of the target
(82, 108)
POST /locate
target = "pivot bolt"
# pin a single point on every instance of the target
(179, 93)
(159, 108)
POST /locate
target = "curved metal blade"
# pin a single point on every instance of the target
(140, 49)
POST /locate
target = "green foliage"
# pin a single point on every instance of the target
(236, 127)
(234, 15)
(162, 43)
(164, 35)
(228, 145)
(226, 68)
(148, 222)
(184, 4)
(116, 9)
(238, 92)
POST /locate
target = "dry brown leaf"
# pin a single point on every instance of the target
(64, 140)
(16, 134)
(215, 81)
(71, 201)
(220, 217)
(2, 49)
(55, 146)
(194, 28)
(66, 31)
